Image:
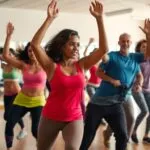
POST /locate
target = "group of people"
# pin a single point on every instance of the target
(59, 65)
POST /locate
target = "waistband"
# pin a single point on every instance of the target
(27, 101)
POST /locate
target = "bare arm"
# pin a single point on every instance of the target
(45, 61)
(96, 10)
(139, 79)
(148, 38)
(91, 40)
(100, 73)
(6, 53)
(146, 31)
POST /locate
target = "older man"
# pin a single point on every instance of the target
(119, 69)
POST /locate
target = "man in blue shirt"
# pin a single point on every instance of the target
(120, 69)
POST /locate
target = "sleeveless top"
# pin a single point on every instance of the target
(94, 79)
(64, 101)
(12, 75)
(34, 80)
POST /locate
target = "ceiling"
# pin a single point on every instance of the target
(112, 7)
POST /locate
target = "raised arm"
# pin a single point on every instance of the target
(6, 52)
(45, 61)
(91, 40)
(96, 10)
(146, 30)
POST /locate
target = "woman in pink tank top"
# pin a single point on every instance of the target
(31, 97)
(62, 111)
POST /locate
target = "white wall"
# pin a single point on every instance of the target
(26, 23)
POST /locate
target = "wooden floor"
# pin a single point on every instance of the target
(29, 143)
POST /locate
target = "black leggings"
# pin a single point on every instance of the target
(115, 117)
(8, 101)
(17, 112)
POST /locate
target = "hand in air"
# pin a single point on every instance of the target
(96, 9)
(9, 29)
(52, 10)
(146, 28)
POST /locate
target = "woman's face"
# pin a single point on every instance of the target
(143, 47)
(31, 53)
(71, 48)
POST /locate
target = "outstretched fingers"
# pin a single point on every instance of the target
(52, 10)
(52, 3)
(96, 8)
(146, 28)
(10, 28)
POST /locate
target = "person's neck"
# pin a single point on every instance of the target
(124, 53)
(68, 62)
(65, 63)
(34, 63)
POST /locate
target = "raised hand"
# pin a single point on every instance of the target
(96, 9)
(52, 10)
(10, 29)
(91, 40)
(146, 28)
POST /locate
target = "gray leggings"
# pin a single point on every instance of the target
(72, 133)
(147, 98)
(142, 100)
(129, 113)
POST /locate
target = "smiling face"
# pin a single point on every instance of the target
(71, 48)
(143, 47)
(124, 43)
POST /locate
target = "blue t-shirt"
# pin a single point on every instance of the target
(119, 67)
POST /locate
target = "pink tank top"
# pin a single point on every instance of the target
(64, 101)
(37, 80)
(93, 78)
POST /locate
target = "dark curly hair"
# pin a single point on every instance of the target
(54, 47)
(138, 45)
(23, 54)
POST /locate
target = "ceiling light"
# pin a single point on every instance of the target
(119, 12)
